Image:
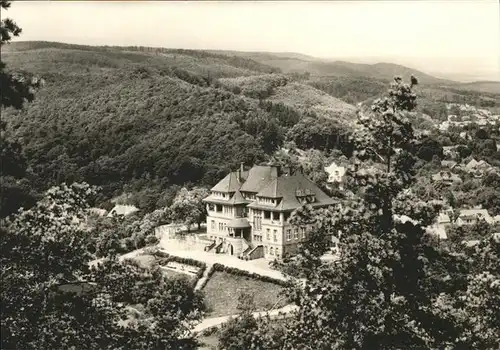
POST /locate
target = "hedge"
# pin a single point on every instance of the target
(209, 274)
(165, 258)
(238, 272)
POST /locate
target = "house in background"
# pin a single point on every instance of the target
(446, 178)
(97, 211)
(450, 164)
(478, 168)
(336, 174)
(439, 227)
(122, 210)
(450, 152)
(248, 211)
(472, 216)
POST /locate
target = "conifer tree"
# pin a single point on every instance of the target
(381, 293)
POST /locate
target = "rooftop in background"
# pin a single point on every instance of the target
(123, 210)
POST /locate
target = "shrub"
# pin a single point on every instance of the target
(238, 272)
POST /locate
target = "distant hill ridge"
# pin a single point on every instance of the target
(286, 62)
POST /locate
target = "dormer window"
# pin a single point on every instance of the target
(268, 201)
(305, 196)
(219, 194)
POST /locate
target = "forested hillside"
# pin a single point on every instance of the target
(140, 118)
(143, 119)
(356, 82)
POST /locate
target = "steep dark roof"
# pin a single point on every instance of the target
(238, 198)
(230, 183)
(258, 177)
(265, 181)
(285, 189)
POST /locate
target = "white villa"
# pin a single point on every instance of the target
(335, 173)
(248, 211)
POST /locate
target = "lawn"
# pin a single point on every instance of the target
(175, 274)
(223, 289)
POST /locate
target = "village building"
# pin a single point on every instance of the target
(97, 211)
(336, 174)
(122, 210)
(450, 164)
(446, 178)
(478, 168)
(248, 211)
(450, 152)
(472, 216)
(438, 229)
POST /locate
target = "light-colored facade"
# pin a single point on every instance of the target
(472, 216)
(248, 211)
(335, 172)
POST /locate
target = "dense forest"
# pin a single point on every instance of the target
(132, 119)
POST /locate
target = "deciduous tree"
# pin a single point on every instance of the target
(52, 298)
(188, 207)
(381, 293)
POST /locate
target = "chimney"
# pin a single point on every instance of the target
(240, 172)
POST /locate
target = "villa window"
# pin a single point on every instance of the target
(276, 216)
(303, 232)
(271, 251)
(213, 225)
(221, 227)
(218, 208)
(275, 235)
(289, 235)
(277, 252)
(241, 212)
(267, 215)
(296, 233)
(211, 207)
(286, 216)
(257, 222)
(225, 227)
(266, 200)
(268, 234)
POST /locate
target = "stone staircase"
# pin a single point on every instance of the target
(251, 252)
(210, 246)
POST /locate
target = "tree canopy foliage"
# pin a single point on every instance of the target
(53, 298)
(393, 287)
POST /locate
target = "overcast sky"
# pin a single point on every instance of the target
(438, 36)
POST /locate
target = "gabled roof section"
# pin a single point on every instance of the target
(230, 183)
(472, 164)
(258, 177)
(238, 198)
(286, 187)
(334, 166)
(475, 213)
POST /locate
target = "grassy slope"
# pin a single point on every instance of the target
(303, 97)
(223, 289)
